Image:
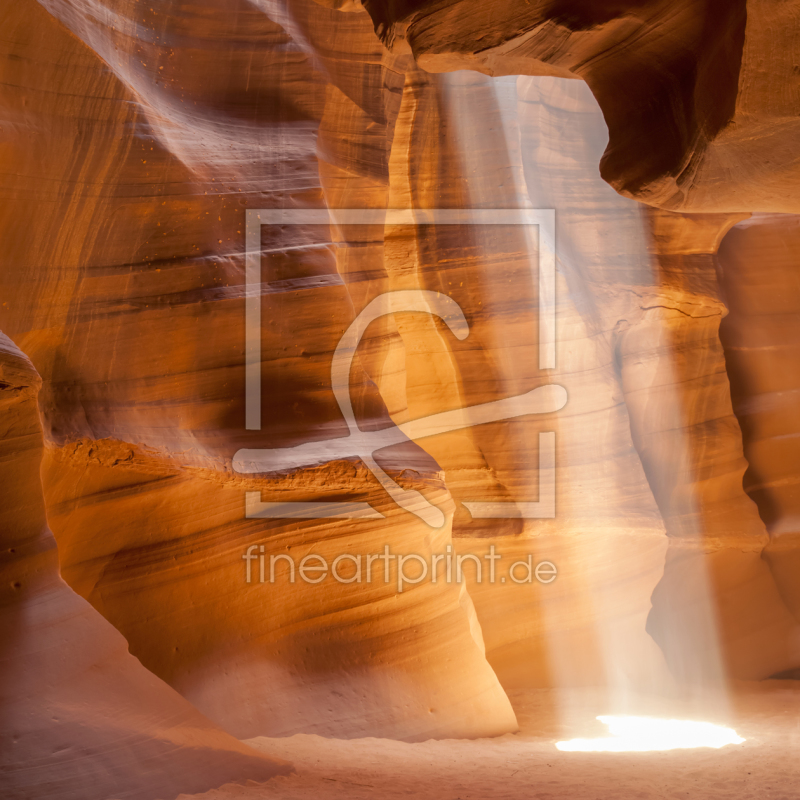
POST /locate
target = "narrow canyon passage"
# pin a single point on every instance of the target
(405, 387)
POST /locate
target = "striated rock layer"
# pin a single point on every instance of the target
(81, 717)
(758, 264)
(138, 136)
(691, 446)
(707, 118)
(648, 437)
(130, 301)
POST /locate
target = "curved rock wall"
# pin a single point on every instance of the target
(81, 717)
(707, 119)
(758, 265)
(130, 300)
(138, 135)
(674, 374)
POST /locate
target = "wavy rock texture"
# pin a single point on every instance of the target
(638, 351)
(138, 134)
(81, 717)
(673, 370)
(484, 144)
(707, 120)
(758, 263)
(130, 302)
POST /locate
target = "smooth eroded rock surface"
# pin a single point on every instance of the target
(82, 718)
(137, 136)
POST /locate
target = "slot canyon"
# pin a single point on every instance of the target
(400, 398)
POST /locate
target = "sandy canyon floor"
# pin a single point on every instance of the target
(528, 765)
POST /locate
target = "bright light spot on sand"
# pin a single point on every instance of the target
(638, 734)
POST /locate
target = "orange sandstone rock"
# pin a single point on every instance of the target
(82, 718)
(700, 98)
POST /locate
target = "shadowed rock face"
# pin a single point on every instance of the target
(758, 266)
(81, 717)
(158, 132)
(648, 438)
(138, 135)
(700, 98)
(679, 63)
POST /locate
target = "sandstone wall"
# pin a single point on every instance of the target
(82, 718)
(757, 272)
(146, 152)
(138, 135)
(700, 98)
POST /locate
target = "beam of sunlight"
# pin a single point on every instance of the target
(639, 734)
